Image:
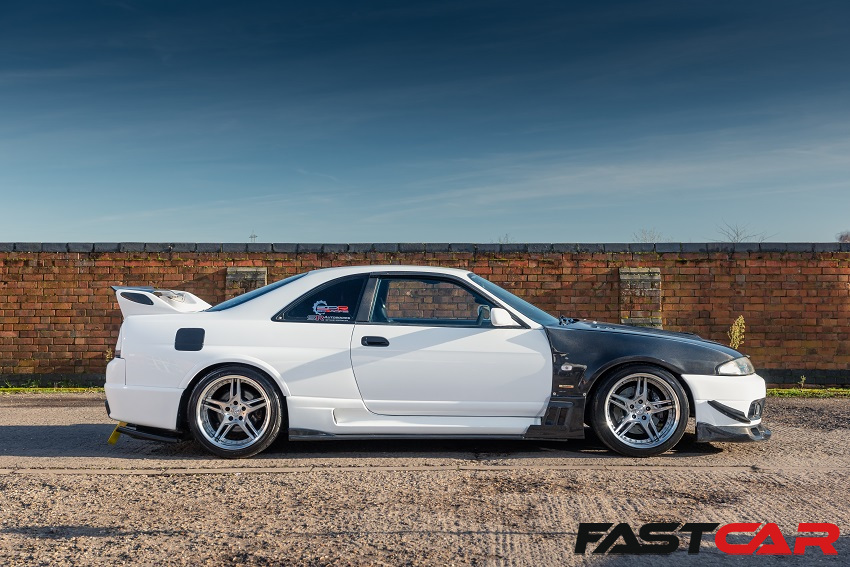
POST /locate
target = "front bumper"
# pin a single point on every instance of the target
(728, 408)
(742, 434)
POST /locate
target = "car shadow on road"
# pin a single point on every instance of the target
(89, 440)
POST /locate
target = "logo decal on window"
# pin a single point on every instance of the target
(321, 307)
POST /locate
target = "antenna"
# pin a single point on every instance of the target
(253, 237)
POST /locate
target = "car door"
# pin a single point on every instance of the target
(426, 347)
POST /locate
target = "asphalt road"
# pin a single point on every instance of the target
(67, 497)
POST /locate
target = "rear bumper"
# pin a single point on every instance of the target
(152, 433)
(151, 407)
(728, 408)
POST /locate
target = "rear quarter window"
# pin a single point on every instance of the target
(336, 302)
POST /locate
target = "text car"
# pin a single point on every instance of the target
(413, 352)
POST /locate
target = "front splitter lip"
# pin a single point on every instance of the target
(732, 433)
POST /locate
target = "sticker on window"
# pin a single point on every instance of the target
(324, 312)
(321, 307)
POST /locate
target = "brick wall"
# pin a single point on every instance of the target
(59, 319)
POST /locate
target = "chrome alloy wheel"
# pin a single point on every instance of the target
(642, 410)
(233, 412)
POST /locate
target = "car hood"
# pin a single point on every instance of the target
(648, 332)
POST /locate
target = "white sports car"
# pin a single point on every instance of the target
(412, 352)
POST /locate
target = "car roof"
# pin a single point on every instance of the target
(350, 270)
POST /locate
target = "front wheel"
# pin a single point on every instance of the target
(640, 411)
(235, 412)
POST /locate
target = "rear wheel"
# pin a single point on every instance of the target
(235, 412)
(640, 411)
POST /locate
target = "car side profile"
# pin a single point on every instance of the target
(412, 352)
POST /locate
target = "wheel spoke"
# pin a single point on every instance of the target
(624, 427)
(619, 398)
(236, 389)
(640, 390)
(254, 405)
(661, 406)
(213, 405)
(617, 403)
(650, 429)
(249, 428)
(223, 430)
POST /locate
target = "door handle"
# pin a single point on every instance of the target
(374, 341)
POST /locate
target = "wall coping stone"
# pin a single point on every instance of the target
(158, 247)
(28, 247)
(668, 247)
(54, 247)
(259, 247)
(234, 247)
(418, 247)
(411, 247)
(800, 247)
(641, 247)
(565, 247)
(589, 247)
(285, 247)
(310, 248)
(208, 248)
(512, 248)
(360, 248)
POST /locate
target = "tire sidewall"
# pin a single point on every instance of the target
(274, 409)
(600, 426)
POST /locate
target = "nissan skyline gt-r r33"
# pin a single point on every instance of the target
(412, 352)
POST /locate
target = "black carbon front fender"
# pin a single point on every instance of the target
(582, 353)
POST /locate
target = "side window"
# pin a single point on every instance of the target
(336, 302)
(427, 301)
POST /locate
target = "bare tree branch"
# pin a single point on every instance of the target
(648, 236)
(740, 233)
(843, 236)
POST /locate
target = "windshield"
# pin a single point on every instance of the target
(534, 313)
(240, 299)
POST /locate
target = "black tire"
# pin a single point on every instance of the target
(235, 412)
(639, 411)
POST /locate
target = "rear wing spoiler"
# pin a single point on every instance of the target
(150, 301)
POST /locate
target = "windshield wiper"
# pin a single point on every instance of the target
(566, 320)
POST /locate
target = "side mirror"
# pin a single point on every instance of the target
(501, 318)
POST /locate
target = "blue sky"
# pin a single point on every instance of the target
(423, 121)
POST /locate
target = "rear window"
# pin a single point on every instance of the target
(245, 297)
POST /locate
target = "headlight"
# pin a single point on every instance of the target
(737, 367)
